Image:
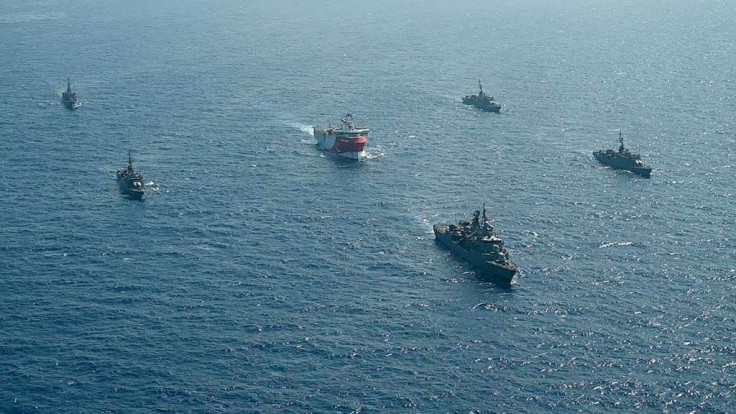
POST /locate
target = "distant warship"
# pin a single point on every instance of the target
(131, 181)
(69, 98)
(482, 101)
(475, 242)
(623, 159)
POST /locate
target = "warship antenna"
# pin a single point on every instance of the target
(480, 85)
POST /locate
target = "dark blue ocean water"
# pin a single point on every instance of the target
(263, 276)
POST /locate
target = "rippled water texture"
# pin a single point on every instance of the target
(261, 275)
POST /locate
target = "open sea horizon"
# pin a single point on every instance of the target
(262, 275)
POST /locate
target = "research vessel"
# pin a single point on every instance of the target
(345, 140)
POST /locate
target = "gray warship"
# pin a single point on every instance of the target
(69, 98)
(131, 181)
(623, 159)
(482, 101)
(475, 242)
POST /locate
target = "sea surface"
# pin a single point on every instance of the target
(262, 275)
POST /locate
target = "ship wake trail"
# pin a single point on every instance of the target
(306, 129)
(307, 132)
(373, 153)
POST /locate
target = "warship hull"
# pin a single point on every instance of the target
(131, 182)
(128, 188)
(348, 147)
(496, 272)
(483, 106)
(69, 98)
(645, 172)
(71, 104)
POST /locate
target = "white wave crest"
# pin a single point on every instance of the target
(604, 245)
(30, 17)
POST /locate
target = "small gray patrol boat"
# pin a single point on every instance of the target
(69, 98)
(623, 159)
(475, 242)
(131, 181)
(482, 101)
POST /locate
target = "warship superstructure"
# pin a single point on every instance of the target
(482, 101)
(131, 181)
(623, 159)
(475, 242)
(346, 140)
(69, 98)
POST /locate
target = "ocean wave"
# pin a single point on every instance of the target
(31, 17)
(612, 244)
